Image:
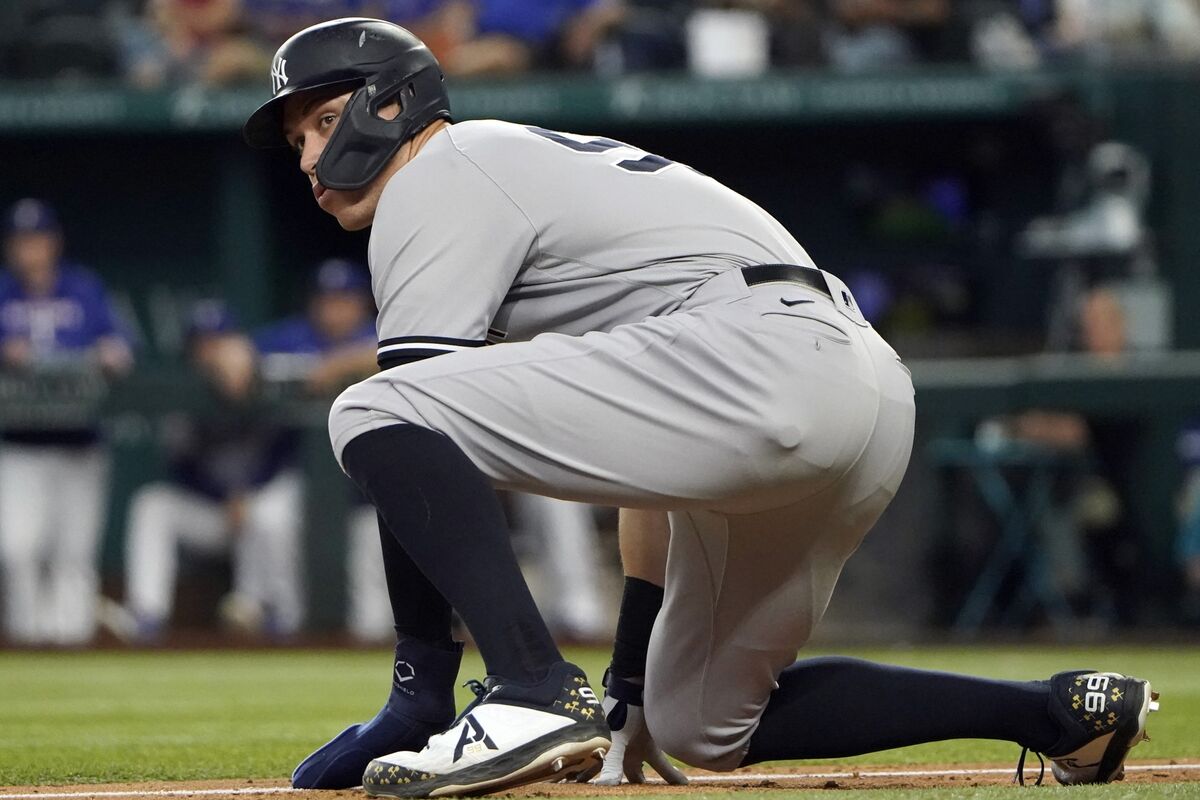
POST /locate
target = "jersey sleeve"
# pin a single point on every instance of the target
(446, 246)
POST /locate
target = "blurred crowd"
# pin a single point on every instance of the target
(231, 484)
(226, 42)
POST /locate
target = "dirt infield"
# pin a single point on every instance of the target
(875, 777)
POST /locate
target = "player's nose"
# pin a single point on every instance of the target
(310, 155)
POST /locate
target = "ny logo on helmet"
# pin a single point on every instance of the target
(279, 76)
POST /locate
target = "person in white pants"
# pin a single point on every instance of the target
(569, 595)
(55, 317)
(564, 535)
(331, 345)
(233, 488)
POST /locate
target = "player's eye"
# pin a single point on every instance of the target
(298, 146)
(328, 119)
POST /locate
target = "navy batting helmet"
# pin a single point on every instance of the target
(385, 62)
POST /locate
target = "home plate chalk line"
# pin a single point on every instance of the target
(740, 777)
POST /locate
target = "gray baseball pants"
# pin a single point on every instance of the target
(775, 428)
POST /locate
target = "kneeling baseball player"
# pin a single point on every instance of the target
(571, 316)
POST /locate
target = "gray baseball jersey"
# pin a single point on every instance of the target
(635, 366)
(498, 232)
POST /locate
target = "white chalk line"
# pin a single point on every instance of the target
(741, 777)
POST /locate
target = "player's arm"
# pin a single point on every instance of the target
(644, 536)
(110, 348)
(114, 355)
(342, 366)
(15, 352)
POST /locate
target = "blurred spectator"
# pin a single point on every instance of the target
(1103, 30)
(276, 20)
(54, 318)
(333, 343)
(469, 37)
(882, 34)
(191, 41)
(232, 488)
(497, 37)
(1006, 34)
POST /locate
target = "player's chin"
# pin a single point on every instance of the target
(352, 214)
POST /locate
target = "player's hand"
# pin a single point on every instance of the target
(632, 747)
(113, 356)
(16, 353)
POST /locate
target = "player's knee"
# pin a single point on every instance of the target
(366, 406)
(153, 501)
(691, 730)
(682, 739)
(17, 554)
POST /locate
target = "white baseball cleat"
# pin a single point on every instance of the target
(510, 736)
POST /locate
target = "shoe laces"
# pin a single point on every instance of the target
(480, 689)
(1020, 776)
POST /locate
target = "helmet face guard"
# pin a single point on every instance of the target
(386, 63)
(363, 142)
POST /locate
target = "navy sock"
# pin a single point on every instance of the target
(446, 517)
(640, 604)
(838, 707)
(418, 608)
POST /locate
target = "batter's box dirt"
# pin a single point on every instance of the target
(751, 780)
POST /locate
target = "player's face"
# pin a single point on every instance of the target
(338, 314)
(33, 257)
(309, 119)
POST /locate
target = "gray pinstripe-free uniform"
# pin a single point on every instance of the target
(633, 366)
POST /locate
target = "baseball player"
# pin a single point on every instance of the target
(54, 316)
(232, 487)
(329, 347)
(572, 316)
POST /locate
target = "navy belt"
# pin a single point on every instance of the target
(787, 273)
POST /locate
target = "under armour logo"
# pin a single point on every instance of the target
(473, 734)
(279, 76)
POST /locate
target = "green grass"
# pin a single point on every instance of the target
(98, 717)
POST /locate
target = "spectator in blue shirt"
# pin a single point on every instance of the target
(501, 37)
(333, 343)
(54, 316)
(329, 347)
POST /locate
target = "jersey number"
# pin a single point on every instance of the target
(647, 164)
